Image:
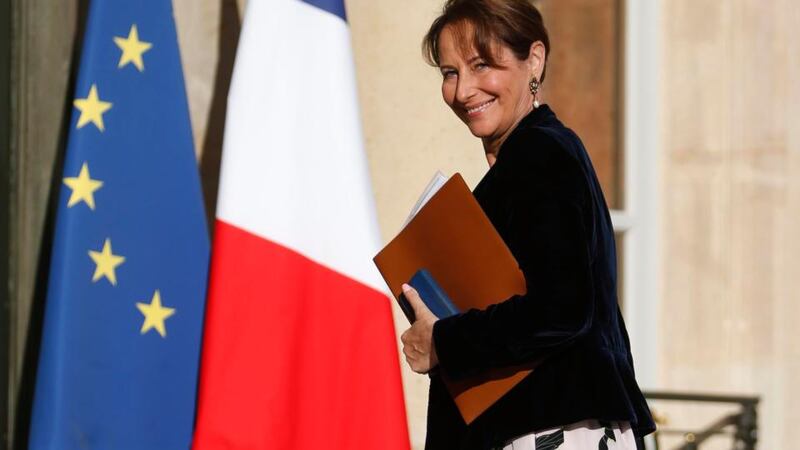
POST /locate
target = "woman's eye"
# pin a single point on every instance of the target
(481, 66)
(448, 73)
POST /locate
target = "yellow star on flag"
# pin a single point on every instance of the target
(83, 187)
(92, 109)
(106, 263)
(132, 49)
(155, 315)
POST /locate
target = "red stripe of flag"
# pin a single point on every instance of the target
(296, 355)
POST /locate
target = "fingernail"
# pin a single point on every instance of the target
(406, 287)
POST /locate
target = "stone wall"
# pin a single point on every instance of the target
(731, 206)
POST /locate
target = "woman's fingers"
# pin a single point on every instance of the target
(413, 360)
(420, 308)
(418, 360)
(417, 339)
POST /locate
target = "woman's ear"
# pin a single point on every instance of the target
(537, 56)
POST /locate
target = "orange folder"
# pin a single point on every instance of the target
(452, 238)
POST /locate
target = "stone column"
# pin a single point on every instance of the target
(39, 36)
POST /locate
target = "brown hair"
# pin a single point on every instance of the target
(515, 23)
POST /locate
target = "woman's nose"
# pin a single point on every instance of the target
(465, 88)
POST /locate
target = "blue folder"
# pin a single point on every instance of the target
(432, 294)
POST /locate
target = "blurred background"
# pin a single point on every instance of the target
(690, 110)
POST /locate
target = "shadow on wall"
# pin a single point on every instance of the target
(30, 359)
(229, 27)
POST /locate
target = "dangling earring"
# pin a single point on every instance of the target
(534, 87)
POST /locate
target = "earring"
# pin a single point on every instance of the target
(534, 87)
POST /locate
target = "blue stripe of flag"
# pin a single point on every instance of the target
(335, 7)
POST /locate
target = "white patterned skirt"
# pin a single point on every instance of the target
(585, 435)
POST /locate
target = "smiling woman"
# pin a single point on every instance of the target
(543, 197)
(489, 97)
(479, 72)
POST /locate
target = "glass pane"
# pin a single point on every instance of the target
(584, 81)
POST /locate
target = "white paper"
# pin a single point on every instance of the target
(433, 187)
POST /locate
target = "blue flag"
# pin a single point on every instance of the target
(123, 319)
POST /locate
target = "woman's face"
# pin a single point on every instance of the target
(491, 100)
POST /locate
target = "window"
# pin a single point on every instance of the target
(602, 81)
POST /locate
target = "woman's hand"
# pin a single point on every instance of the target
(418, 340)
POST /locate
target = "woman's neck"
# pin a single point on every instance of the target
(491, 145)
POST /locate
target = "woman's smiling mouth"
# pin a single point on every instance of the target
(479, 108)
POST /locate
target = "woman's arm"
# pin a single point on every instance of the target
(549, 215)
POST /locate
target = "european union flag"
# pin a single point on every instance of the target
(124, 312)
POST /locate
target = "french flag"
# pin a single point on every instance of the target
(299, 347)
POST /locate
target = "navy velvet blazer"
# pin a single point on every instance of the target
(543, 197)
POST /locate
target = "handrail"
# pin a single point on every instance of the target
(745, 421)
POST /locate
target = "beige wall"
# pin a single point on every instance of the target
(731, 205)
(730, 171)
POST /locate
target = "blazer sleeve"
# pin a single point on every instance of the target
(547, 199)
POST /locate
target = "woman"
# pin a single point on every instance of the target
(542, 195)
